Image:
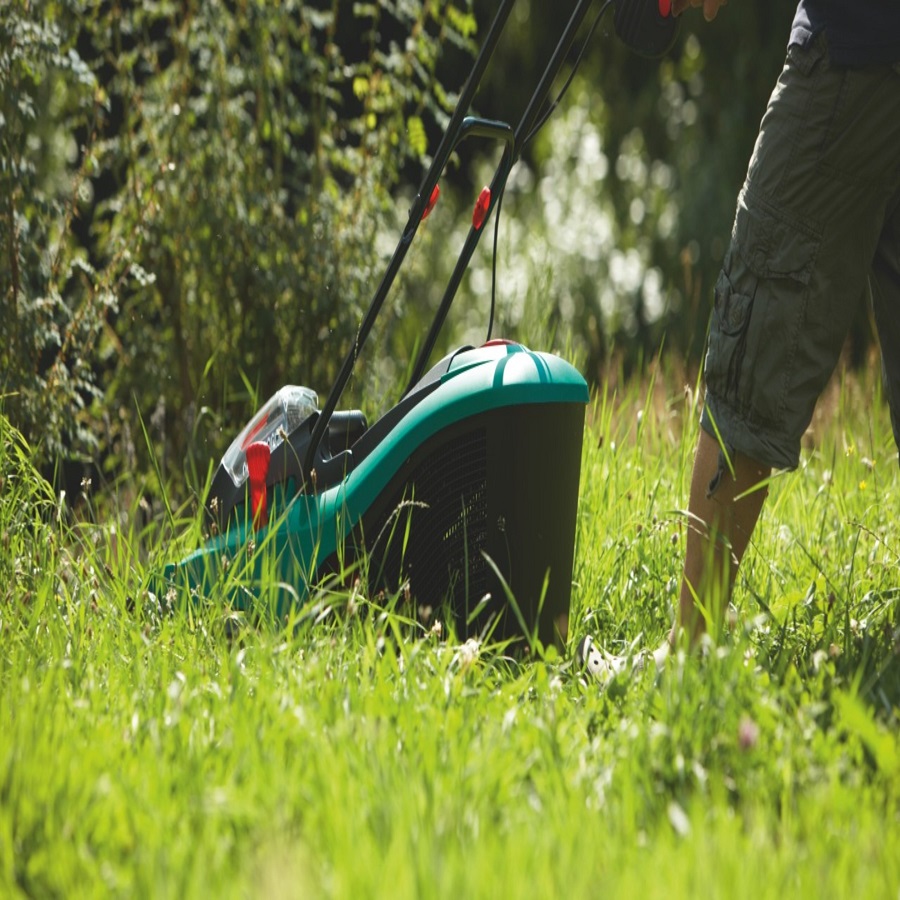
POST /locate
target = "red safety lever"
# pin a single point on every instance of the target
(482, 205)
(429, 206)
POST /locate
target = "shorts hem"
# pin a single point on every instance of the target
(733, 430)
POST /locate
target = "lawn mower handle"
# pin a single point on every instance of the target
(416, 212)
(646, 26)
(470, 126)
(523, 131)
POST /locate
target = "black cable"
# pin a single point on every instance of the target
(543, 119)
(494, 267)
(538, 126)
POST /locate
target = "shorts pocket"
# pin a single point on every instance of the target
(727, 339)
(759, 314)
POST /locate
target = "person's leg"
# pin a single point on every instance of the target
(820, 196)
(815, 213)
(720, 523)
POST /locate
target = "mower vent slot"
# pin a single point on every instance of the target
(445, 498)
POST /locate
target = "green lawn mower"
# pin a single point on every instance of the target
(463, 495)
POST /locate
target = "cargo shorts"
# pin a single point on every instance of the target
(816, 232)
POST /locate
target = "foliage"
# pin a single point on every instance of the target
(232, 167)
(198, 199)
(360, 753)
(54, 300)
(272, 138)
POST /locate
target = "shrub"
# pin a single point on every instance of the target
(194, 213)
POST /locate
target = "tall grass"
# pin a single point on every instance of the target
(148, 751)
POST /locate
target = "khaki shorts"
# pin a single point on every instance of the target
(817, 225)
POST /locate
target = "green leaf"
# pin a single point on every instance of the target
(415, 132)
(463, 22)
(858, 721)
(360, 87)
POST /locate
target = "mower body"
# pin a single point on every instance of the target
(462, 497)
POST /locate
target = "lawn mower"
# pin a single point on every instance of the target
(462, 496)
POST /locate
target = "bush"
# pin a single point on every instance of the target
(53, 300)
(200, 203)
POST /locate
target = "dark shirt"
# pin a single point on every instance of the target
(859, 32)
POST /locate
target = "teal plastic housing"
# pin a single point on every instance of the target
(307, 529)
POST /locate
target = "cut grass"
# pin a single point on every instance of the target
(186, 753)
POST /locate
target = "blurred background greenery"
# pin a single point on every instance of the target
(197, 200)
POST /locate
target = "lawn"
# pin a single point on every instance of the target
(155, 752)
